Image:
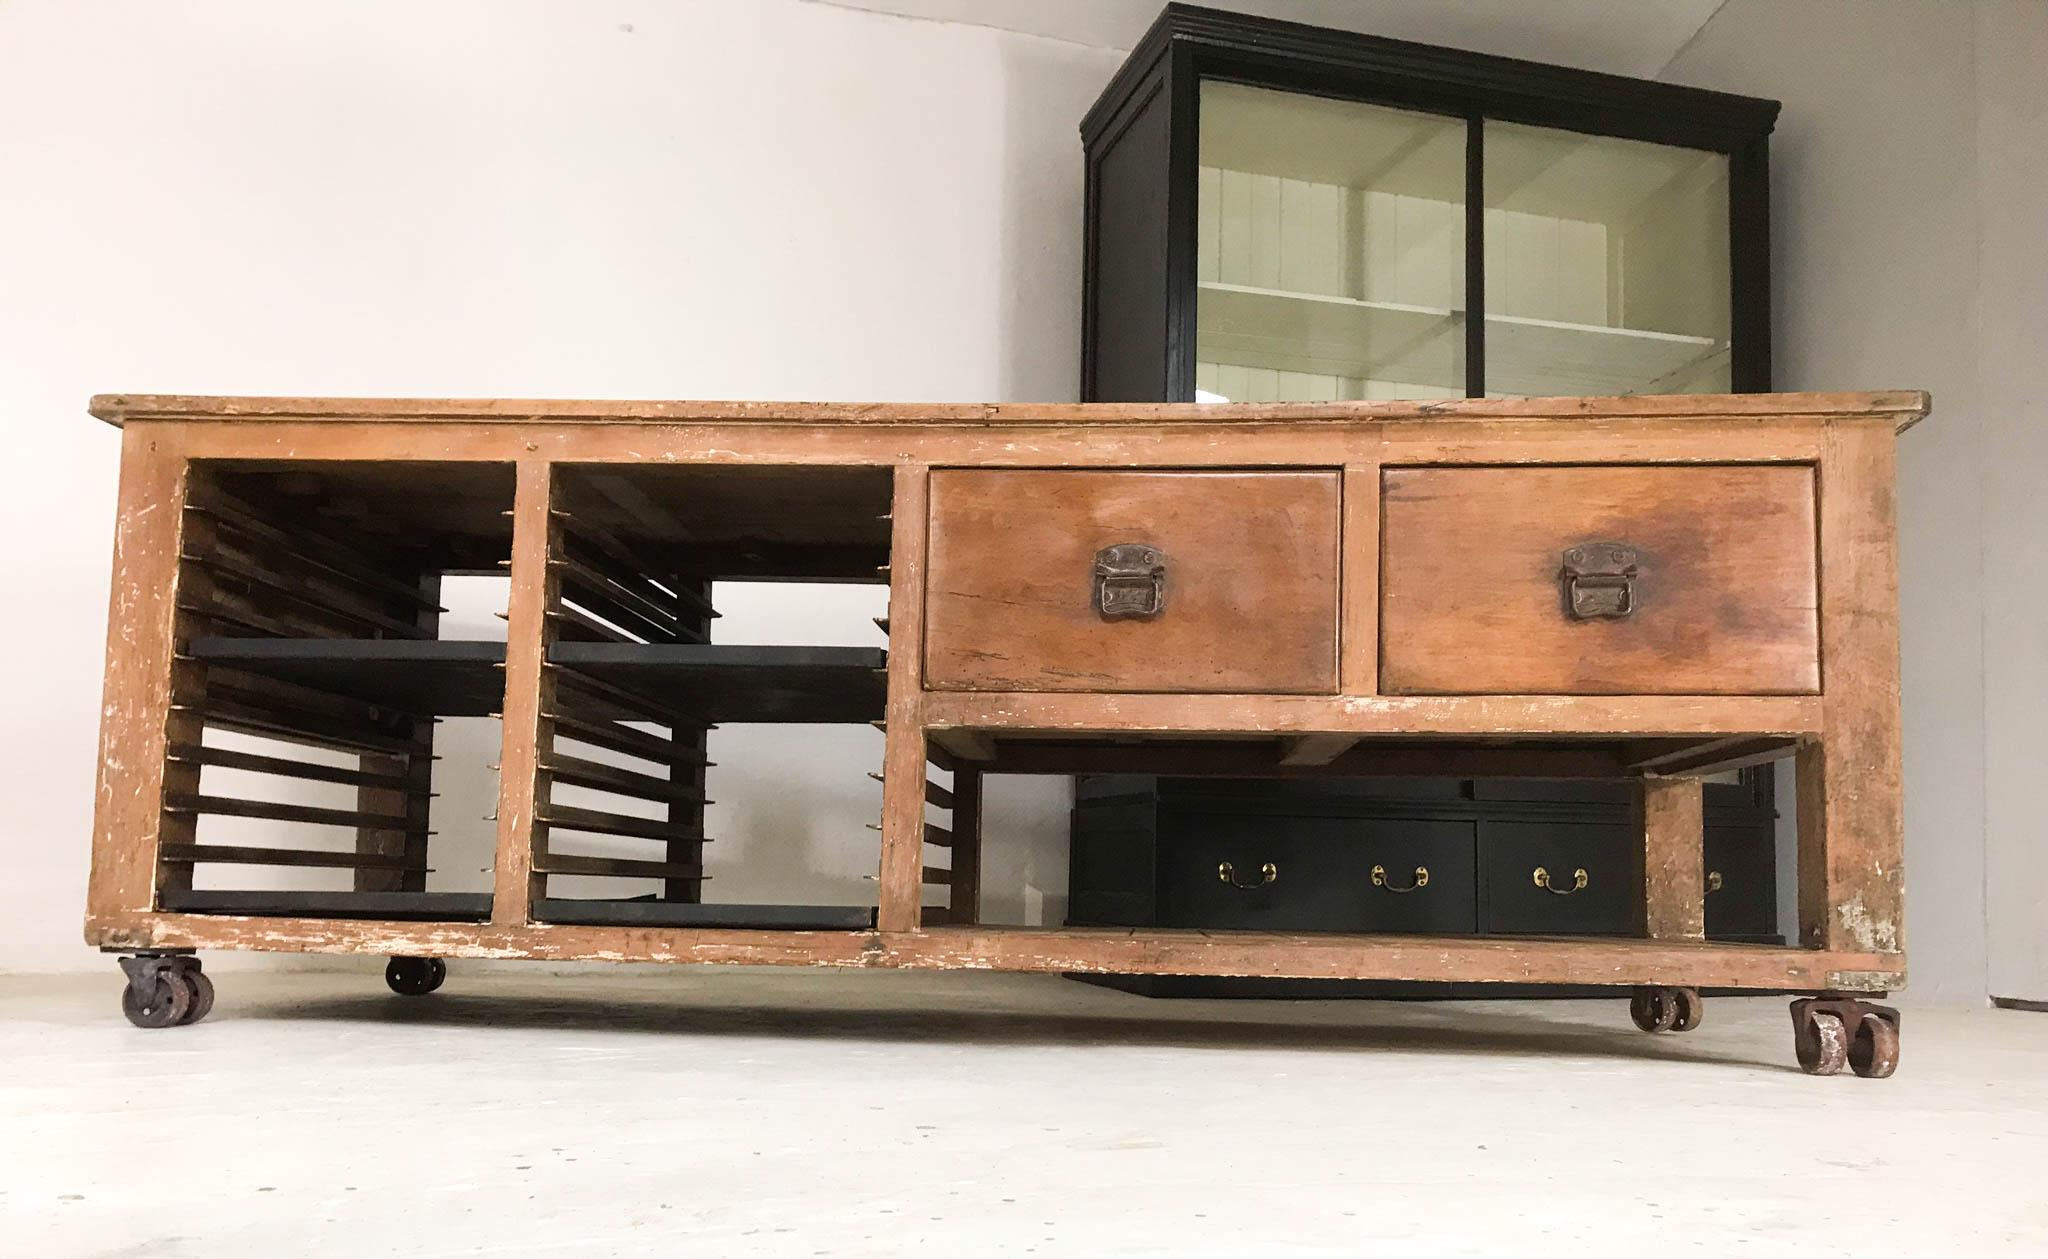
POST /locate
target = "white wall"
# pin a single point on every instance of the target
(1908, 196)
(719, 199)
(2012, 323)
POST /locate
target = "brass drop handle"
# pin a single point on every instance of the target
(1713, 880)
(1267, 874)
(1130, 582)
(1379, 879)
(1542, 877)
(1599, 580)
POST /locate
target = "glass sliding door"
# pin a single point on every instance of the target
(1331, 256)
(1606, 265)
(1330, 259)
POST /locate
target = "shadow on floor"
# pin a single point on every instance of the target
(1378, 1027)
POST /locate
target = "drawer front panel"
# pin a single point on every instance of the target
(1223, 581)
(1511, 853)
(1745, 903)
(1316, 874)
(1712, 590)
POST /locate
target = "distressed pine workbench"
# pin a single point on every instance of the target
(1651, 588)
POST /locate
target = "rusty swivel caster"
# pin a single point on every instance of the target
(165, 990)
(415, 976)
(1829, 1033)
(1659, 1009)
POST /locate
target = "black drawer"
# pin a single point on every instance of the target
(1510, 853)
(1743, 862)
(1315, 873)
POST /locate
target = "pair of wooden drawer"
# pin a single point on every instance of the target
(1637, 579)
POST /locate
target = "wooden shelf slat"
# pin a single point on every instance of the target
(269, 810)
(599, 822)
(617, 867)
(246, 855)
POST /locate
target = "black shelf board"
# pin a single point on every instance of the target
(465, 678)
(739, 683)
(447, 678)
(397, 906)
(651, 913)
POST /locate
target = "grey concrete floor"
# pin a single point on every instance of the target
(745, 1112)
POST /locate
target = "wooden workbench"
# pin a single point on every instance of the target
(1657, 588)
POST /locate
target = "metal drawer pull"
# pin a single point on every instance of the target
(1542, 878)
(1713, 880)
(1130, 582)
(1267, 873)
(1379, 879)
(1599, 581)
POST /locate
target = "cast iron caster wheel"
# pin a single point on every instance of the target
(1830, 1033)
(1655, 1008)
(1825, 1048)
(1874, 1048)
(415, 976)
(164, 1003)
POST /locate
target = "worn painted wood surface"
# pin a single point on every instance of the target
(1674, 898)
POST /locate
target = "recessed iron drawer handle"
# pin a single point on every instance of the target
(1713, 880)
(1379, 879)
(1130, 582)
(1599, 580)
(1267, 873)
(1542, 877)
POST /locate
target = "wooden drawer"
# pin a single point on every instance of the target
(1717, 595)
(1316, 874)
(1246, 564)
(1510, 853)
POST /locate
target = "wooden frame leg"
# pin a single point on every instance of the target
(529, 697)
(1673, 823)
(905, 753)
(1852, 887)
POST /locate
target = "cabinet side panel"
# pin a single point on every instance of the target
(1125, 355)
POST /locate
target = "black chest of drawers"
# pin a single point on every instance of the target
(1403, 856)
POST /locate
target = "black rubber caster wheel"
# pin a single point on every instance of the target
(1691, 1009)
(1653, 1009)
(202, 994)
(165, 1003)
(415, 976)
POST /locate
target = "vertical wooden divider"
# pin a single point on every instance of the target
(1358, 607)
(137, 719)
(529, 695)
(966, 893)
(1851, 813)
(1670, 813)
(903, 755)
(689, 764)
(410, 801)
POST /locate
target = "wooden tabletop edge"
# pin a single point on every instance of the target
(1905, 407)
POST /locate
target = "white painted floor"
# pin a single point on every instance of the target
(739, 1112)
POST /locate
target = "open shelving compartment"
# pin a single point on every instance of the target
(634, 687)
(312, 687)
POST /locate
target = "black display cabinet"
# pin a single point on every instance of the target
(1278, 212)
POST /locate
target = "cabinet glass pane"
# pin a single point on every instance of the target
(1606, 265)
(1331, 250)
